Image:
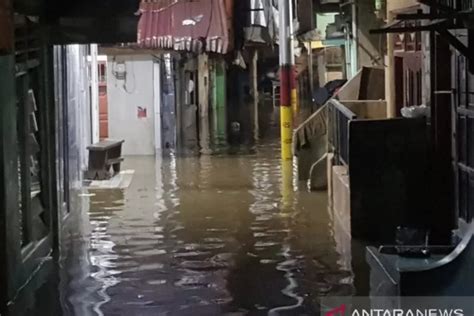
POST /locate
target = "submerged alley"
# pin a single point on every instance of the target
(236, 157)
(201, 237)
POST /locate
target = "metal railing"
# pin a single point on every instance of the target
(339, 117)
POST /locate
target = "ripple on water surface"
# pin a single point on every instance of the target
(214, 238)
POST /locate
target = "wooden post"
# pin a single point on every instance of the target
(443, 214)
(6, 27)
(204, 128)
(254, 91)
(221, 100)
(322, 69)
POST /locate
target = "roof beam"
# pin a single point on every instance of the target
(454, 41)
(84, 30)
(466, 51)
(392, 28)
(434, 4)
(431, 16)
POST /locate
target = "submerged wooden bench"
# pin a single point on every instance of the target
(102, 156)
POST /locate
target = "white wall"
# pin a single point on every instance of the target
(78, 104)
(124, 98)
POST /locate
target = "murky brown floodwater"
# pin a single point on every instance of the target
(201, 236)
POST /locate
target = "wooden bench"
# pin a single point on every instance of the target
(102, 156)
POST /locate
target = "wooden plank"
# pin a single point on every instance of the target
(105, 145)
(113, 161)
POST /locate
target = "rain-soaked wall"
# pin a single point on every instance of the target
(131, 102)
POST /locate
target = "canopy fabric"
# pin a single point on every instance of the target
(195, 26)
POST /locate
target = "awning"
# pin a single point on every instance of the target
(196, 26)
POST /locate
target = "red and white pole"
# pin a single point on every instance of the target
(287, 80)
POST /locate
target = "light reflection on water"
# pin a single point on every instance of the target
(202, 236)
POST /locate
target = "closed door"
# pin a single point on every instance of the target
(103, 102)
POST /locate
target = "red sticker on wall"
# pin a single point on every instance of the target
(141, 112)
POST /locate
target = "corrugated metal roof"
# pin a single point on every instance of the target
(196, 25)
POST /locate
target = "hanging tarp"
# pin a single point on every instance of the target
(197, 26)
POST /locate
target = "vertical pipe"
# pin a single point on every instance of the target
(95, 95)
(286, 82)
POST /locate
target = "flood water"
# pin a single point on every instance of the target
(210, 235)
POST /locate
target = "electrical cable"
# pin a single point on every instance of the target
(134, 79)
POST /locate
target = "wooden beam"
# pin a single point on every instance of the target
(96, 8)
(131, 50)
(83, 8)
(431, 16)
(30, 7)
(6, 27)
(395, 28)
(436, 5)
(84, 31)
(455, 42)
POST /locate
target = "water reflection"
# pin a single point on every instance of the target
(202, 236)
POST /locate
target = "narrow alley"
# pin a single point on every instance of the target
(236, 157)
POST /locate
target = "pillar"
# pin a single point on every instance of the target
(219, 100)
(287, 83)
(203, 95)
